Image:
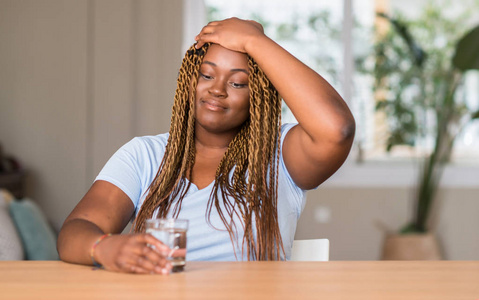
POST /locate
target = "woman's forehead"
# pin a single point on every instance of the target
(219, 56)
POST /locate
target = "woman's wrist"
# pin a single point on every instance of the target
(254, 43)
(93, 252)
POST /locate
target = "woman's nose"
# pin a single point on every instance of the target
(218, 89)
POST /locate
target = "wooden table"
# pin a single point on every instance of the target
(247, 280)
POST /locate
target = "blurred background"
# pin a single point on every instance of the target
(78, 79)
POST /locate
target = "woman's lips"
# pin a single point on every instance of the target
(213, 105)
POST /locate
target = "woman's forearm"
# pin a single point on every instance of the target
(76, 239)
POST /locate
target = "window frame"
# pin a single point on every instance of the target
(384, 172)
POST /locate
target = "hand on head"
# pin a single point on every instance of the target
(234, 34)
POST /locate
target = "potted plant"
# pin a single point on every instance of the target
(419, 73)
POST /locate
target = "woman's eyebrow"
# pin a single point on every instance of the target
(232, 70)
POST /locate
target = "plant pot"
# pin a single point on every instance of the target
(411, 247)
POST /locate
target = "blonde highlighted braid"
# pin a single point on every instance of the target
(251, 193)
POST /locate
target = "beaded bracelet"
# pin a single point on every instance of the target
(92, 251)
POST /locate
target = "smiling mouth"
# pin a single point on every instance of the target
(212, 105)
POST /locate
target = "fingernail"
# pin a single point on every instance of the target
(165, 271)
(163, 250)
(158, 269)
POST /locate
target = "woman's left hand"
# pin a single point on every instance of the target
(234, 34)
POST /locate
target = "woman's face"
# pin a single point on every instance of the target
(222, 93)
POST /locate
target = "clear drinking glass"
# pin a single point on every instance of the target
(172, 233)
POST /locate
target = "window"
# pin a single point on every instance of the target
(332, 37)
(435, 27)
(310, 31)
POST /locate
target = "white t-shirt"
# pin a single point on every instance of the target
(134, 166)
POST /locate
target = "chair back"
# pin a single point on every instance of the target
(310, 250)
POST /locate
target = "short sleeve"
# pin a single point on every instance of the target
(134, 166)
(123, 170)
(286, 185)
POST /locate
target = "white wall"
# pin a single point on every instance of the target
(354, 219)
(77, 80)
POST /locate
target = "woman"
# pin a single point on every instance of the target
(226, 164)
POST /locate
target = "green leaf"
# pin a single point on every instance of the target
(410, 228)
(401, 28)
(382, 104)
(467, 51)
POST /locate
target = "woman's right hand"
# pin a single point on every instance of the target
(92, 217)
(133, 253)
(233, 34)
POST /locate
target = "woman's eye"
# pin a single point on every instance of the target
(238, 85)
(207, 77)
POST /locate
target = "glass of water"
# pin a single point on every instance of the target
(172, 233)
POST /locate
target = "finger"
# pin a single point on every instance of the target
(213, 23)
(206, 38)
(210, 26)
(199, 44)
(138, 257)
(206, 33)
(145, 264)
(139, 270)
(158, 266)
(206, 30)
(257, 25)
(155, 257)
(167, 269)
(153, 261)
(158, 246)
(131, 268)
(164, 266)
(178, 253)
(141, 265)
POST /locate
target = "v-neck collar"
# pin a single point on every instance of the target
(193, 188)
